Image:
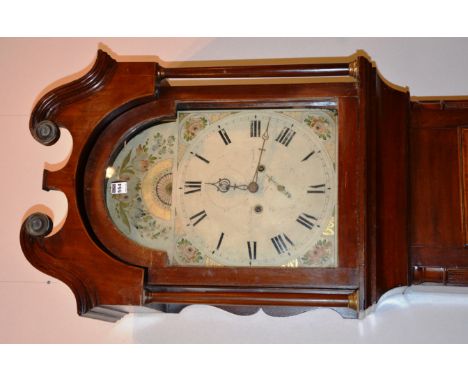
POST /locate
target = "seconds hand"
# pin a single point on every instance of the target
(253, 185)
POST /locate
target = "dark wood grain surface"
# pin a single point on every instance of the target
(438, 192)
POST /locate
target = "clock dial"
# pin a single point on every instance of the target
(233, 188)
(254, 188)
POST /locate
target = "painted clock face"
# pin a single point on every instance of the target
(231, 188)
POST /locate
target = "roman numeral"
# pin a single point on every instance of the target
(198, 217)
(306, 220)
(252, 247)
(222, 133)
(285, 136)
(200, 157)
(280, 242)
(308, 156)
(219, 241)
(317, 189)
(255, 128)
(192, 186)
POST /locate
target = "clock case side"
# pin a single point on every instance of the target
(385, 110)
(103, 286)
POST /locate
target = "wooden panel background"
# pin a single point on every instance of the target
(439, 164)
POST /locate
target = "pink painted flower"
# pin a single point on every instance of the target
(193, 126)
(187, 252)
(319, 254)
(319, 126)
(141, 161)
(124, 177)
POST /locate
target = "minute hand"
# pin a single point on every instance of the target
(265, 138)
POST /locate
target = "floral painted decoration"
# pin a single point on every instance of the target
(129, 207)
(319, 125)
(319, 255)
(193, 125)
(187, 253)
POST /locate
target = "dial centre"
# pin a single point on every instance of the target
(252, 187)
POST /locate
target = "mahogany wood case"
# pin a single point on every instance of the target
(402, 189)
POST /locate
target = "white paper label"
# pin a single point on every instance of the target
(118, 188)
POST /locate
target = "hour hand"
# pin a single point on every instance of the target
(281, 188)
(224, 185)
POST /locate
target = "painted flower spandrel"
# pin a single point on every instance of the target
(193, 125)
(187, 253)
(319, 255)
(319, 126)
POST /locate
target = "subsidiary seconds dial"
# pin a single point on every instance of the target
(254, 188)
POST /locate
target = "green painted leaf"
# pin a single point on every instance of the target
(125, 162)
(127, 171)
(124, 216)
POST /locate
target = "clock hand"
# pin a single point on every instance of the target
(279, 187)
(224, 185)
(253, 185)
(242, 187)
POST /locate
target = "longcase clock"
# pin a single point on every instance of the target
(276, 195)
